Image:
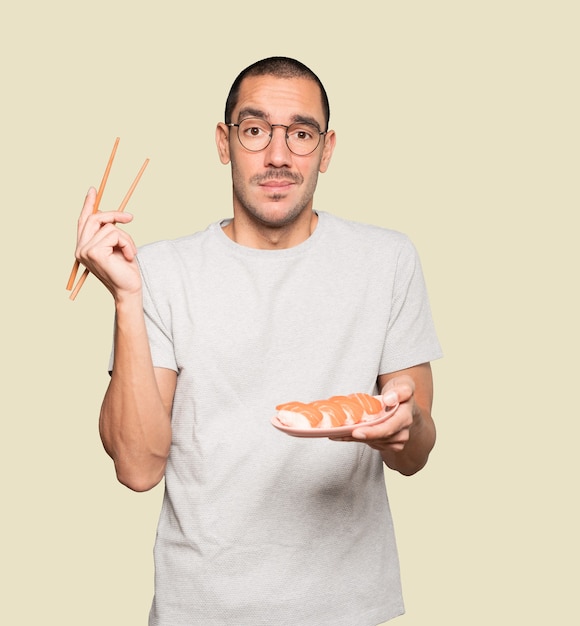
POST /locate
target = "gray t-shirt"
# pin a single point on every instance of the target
(257, 527)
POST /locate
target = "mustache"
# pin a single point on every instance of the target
(281, 174)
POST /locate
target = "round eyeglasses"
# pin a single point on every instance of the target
(255, 134)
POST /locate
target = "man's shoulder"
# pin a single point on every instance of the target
(163, 261)
(366, 232)
(176, 246)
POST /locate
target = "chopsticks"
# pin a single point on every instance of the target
(76, 264)
(100, 191)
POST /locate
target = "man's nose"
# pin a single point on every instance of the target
(277, 153)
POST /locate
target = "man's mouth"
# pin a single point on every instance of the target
(277, 184)
(277, 179)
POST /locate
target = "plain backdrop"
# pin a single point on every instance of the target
(457, 123)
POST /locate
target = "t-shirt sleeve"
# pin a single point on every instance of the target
(158, 329)
(157, 322)
(410, 337)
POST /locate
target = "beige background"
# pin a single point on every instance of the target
(457, 123)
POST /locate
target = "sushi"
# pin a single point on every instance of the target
(333, 412)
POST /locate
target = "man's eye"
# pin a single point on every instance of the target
(254, 131)
(302, 134)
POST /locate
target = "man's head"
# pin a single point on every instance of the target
(277, 140)
(279, 67)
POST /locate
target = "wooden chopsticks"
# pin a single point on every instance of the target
(100, 191)
(76, 264)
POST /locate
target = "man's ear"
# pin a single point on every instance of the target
(327, 150)
(222, 139)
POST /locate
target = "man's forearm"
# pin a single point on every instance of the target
(415, 453)
(135, 423)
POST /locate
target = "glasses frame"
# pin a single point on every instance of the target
(271, 134)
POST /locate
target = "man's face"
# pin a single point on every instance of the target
(274, 186)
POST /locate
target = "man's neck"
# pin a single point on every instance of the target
(263, 237)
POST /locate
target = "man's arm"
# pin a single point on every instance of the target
(408, 449)
(405, 439)
(135, 420)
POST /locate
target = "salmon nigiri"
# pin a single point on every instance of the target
(299, 415)
(333, 412)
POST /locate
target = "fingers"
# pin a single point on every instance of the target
(90, 200)
(400, 421)
(99, 239)
(396, 439)
(88, 207)
(393, 432)
(91, 224)
(111, 256)
(107, 239)
(105, 250)
(398, 390)
(100, 219)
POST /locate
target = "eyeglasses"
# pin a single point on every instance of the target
(255, 134)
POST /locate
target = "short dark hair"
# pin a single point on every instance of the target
(280, 67)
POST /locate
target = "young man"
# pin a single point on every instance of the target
(213, 330)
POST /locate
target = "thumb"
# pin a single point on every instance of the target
(390, 397)
(398, 389)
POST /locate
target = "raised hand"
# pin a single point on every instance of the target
(107, 251)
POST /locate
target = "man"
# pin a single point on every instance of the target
(213, 330)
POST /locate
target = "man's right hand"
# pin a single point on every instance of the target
(107, 251)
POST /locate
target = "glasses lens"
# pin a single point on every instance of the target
(255, 135)
(303, 138)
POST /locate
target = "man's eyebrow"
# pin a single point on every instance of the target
(251, 112)
(305, 119)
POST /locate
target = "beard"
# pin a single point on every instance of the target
(266, 212)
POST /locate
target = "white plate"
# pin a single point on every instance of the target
(338, 431)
